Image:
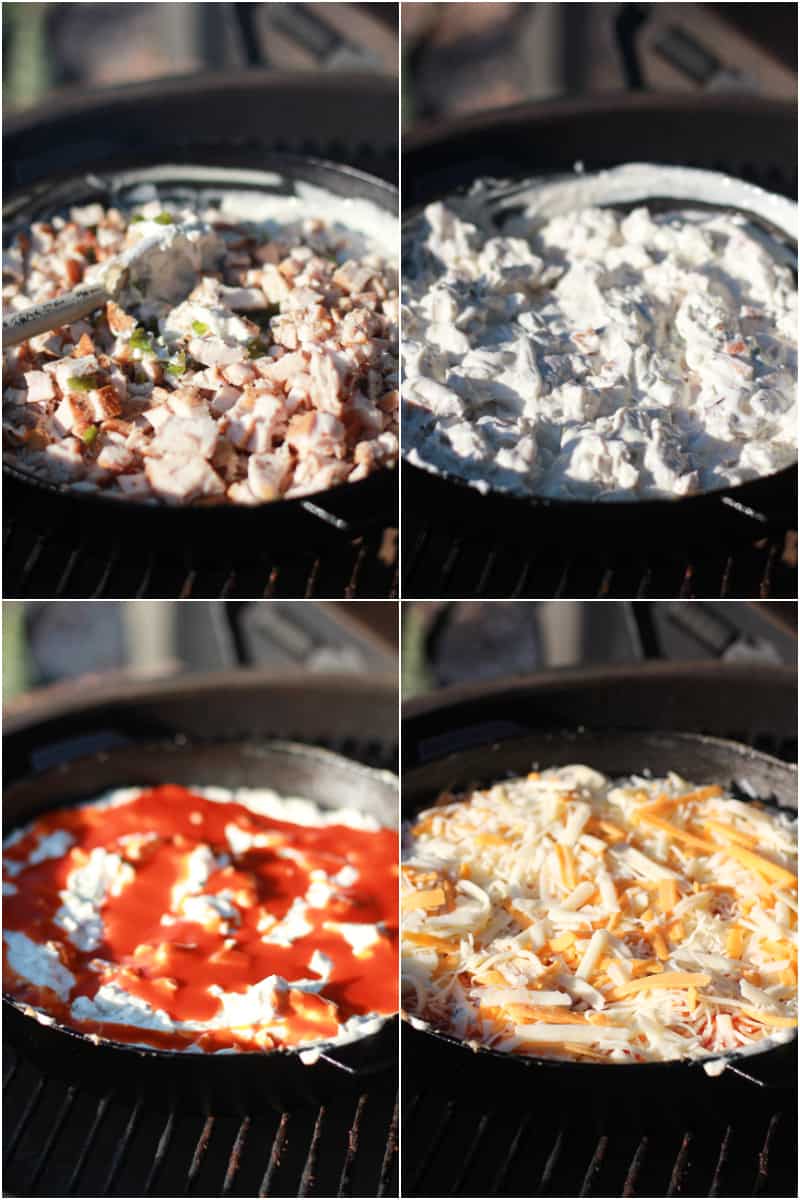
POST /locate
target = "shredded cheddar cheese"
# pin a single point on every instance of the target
(567, 915)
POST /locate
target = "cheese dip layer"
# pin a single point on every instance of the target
(567, 915)
(598, 355)
(203, 920)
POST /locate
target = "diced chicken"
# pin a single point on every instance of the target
(239, 374)
(187, 436)
(224, 400)
(118, 320)
(212, 351)
(74, 368)
(135, 485)
(40, 387)
(74, 414)
(181, 480)
(64, 460)
(328, 372)
(268, 474)
(319, 432)
(115, 458)
(318, 475)
(281, 370)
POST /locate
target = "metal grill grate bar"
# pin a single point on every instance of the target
(94, 1128)
(161, 1153)
(199, 1154)
(681, 1167)
(307, 1178)
(760, 1185)
(50, 1140)
(631, 1179)
(594, 1167)
(235, 1157)
(345, 1179)
(122, 1148)
(278, 1143)
(390, 1155)
(24, 1118)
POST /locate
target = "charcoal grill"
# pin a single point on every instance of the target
(459, 555)
(593, 1148)
(62, 1139)
(348, 118)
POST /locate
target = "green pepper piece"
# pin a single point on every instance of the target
(178, 366)
(164, 218)
(140, 341)
(199, 327)
(82, 383)
(89, 434)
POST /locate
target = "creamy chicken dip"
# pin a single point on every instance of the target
(204, 920)
(254, 359)
(569, 915)
(596, 354)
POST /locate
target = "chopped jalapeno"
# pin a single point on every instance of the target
(89, 434)
(178, 365)
(136, 218)
(199, 327)
(140, 376)
(82, 383)
(164, 218)
(256, 348)
(140, 341)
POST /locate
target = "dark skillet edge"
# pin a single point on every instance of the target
(773, 1068)
(344, 510)
(235, 1080)
(749, 509)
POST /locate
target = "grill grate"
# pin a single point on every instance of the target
(513, 1153)
(61, 1141)
(436, 564)
(39, 564)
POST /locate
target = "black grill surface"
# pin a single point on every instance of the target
(465, 1150)
(40, 564)
(438, 564)
(61, 1141)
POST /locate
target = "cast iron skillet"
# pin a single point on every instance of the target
(223, 1082)
(346, 510)
(432, 1055)
(747, 138)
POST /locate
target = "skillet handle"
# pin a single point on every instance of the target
(773, 1071)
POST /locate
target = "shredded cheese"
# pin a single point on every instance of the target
(568, 915)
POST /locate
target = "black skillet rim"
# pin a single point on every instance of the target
(182, 744)
(367, 492)
(743, 501)
(643, 1071)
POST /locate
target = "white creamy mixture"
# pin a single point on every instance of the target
(596, 355)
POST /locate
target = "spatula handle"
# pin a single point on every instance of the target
(63, 310)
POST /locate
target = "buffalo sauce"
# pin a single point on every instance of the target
(172, 959)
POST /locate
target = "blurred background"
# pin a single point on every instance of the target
(462, 58)
(473, 641)
(54, 649)
(57, 47)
